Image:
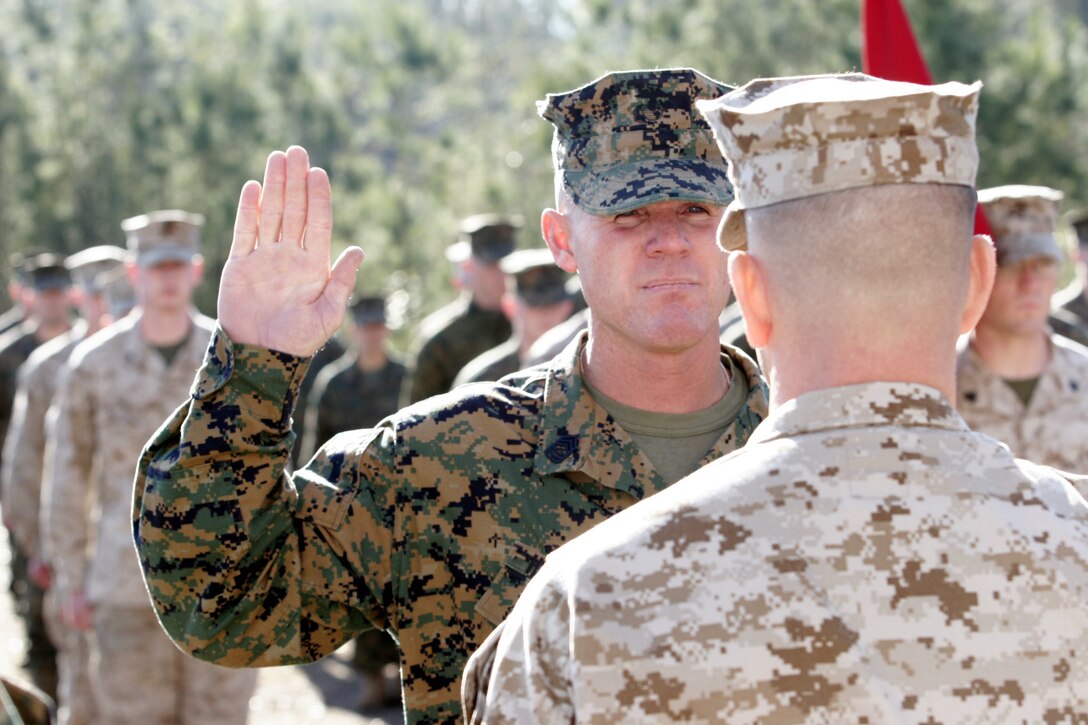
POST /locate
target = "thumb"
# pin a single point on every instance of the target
(342, 277)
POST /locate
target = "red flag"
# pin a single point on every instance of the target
(889, 50)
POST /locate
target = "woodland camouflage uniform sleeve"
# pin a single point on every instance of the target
(246, 565)
(21, 473)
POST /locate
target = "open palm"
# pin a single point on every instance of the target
(278, 289)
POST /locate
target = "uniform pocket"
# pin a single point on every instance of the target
(517, 570)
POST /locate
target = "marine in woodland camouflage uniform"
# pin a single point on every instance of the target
(865, 557)
(537, 300)
(1018, 382)
(430, 524)
(22, 475)
(358, 391)
(452, 336)
(117, 388)
(48, 318)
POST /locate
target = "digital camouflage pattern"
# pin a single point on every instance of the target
(1053, 428)
(113, 396)
(789, 138)
(865, 558)
(634, 138)
(496, 363)
(15, 347)
(115, 393)
(24, 446)
(428, 525)
(1023, 219)
(346, 398)
(448, 339)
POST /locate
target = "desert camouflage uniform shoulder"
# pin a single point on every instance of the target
(1053, 428)
(865, 557)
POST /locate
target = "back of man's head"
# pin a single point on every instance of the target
(886, 267)
(854, 198)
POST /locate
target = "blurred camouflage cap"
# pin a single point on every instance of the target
(1023, 219)
(487, 237)
(633, 138)
(120, 295)
(368, 310)
(88, 265)
(47, 272)
(537, 279)
(790, 138)
(163, 236)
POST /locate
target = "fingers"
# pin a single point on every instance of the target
(319, 213)
(294, 195)
(271, 204)
(342, 277)
(245, 223)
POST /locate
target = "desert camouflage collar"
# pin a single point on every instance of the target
(867, 405)
(577, 436)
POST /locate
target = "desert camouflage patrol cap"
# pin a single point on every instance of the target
(120, 295)
(368, 310)
(537, 279)
(88, 265)
(633, 138)
(486, 237)
(790, 138)
(1023, 219)
(163, 236)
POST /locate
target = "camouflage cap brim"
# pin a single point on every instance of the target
(732, 234)
(1016, 248)
(622, 187)
(165, 253)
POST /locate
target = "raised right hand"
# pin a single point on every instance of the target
(278, 289)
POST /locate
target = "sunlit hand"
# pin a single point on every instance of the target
(278, 290)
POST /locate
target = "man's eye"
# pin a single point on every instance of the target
(697, 209)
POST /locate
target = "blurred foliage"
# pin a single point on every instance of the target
(423, 110)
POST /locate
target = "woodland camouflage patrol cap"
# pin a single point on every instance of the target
(1023, 219)
(633, 138)
(790, 138)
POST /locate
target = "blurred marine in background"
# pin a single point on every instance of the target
(117, 387)
(1017, 381)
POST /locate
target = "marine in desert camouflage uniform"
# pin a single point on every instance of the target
(118, 386)
(474, 323)
(1017, 381)
(865, 557)
(22, 475)
(429, 524)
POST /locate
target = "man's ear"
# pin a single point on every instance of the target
(198, 268)
(509, 306)
(749, 286)
(555, 227)
(983, 269)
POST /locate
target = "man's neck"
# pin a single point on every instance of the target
(46, 332)
(369, 362)
(661, 382)
(162, 328)
(805, 369)
(1012, 356)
